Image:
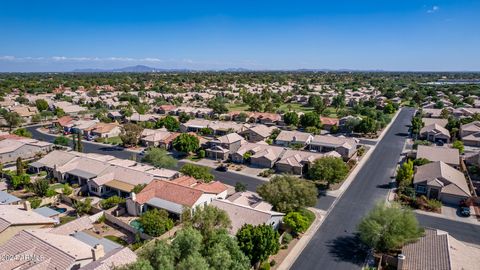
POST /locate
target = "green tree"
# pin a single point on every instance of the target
(22, 132)
(386, 227)
(405, 174)
(13, 119)
(330, 169)
(138, 188)
(130, 134)
(41, 104)
(186, 143)
(155, 222)
(218, 105)
(258, 242)
(208, 219)
(183, 117)
(310, 119)
(291, 118)
(111, 202)
(296, 222)
(140, 264)
(198, 172)
(288, 193)
(61, 140)
(188, 241)
(162, 256)
(40, 187)
(222, 252)
(458, 145)
(59, 112)
(79, 145)
(19, 166)
(367, 125)
(20, 180)
(159, 158)
(240, 187)
(417, 125)
(82, 207)
(193, 262)
(389, 108)
(170, 123)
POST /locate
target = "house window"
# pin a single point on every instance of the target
(421, 189)
(94, 189)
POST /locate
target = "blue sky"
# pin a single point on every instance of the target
(389, 35)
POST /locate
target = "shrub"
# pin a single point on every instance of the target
(111, 202)
(296, 222)
(67, 190)
(35, 202)
(201, 153)
(155, 222)
(287, 238)
(265, 266)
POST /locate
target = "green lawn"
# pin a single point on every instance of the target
(237, 107)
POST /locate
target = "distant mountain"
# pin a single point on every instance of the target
(133, 69)
(236, 70)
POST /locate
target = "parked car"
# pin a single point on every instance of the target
(465, 211)
(222, 168)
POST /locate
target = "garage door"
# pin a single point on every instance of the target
(451, 199)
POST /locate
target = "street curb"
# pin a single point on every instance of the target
(288, 264)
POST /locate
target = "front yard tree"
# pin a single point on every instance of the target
(159, 158)
(197, 172)
(389, 227)
(13, 119)
(330, 169)
(61, 140)
(417, 125)
(186, 143)
(79, 144)
(19, 164)
(170, 123)
(288, 193)
(367, 125)
(291, 118)
(258, 242)
(296, 222)
(405, 174)
(130, 134)
(155, 222)
(458, 145)
(188, 241)
(82, 207)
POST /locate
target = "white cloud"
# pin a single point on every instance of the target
(433, 9)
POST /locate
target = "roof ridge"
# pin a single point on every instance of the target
(40, 239)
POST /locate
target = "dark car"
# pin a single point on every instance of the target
(222, 168)
(465, 211)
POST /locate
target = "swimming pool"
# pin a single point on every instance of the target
(59, 209)
(136, 224)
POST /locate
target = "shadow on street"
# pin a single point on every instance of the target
(348, 249)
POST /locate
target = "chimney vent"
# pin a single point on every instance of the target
(98, 252)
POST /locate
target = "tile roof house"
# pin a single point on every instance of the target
(439, 121)
(346, 147)
(174, 196)
(451, 156)
(437, 250)
(435, 133)
(219, 127)
(258, 133)
(297, 162)
(221, 147)
(329, 122)
(14, 147)
(470, 133)
(241, 214)
(15, 218)
(286, 138)
(440, 181)
(102, 174)
(103, 130)
(158, 138)
(260, 155)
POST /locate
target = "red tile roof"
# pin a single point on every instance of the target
(329, 121)
(64, 120)
(169, 191)
(214, 187)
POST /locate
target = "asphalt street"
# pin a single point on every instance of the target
(334, 245)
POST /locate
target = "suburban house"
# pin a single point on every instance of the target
(440, 181)
(439, 121)
(25, 112)
(258, 155)
(288, 138)
(450, 156)
(101, 175)
(258, 133)
(158, 138)
(67, 107)
(438, 250)
(248, 208)
(15, 218)
(346, 147)
(63, 123)
(435, 133)
(166, 109)
(219, 128)
(470, 133)
(297, 162)
(14, 147)
(65, 247)
(329, 122)
(103, 130)
(222, 146)
(432, 113)
(175, 196)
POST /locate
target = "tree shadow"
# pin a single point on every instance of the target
(348, 248)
